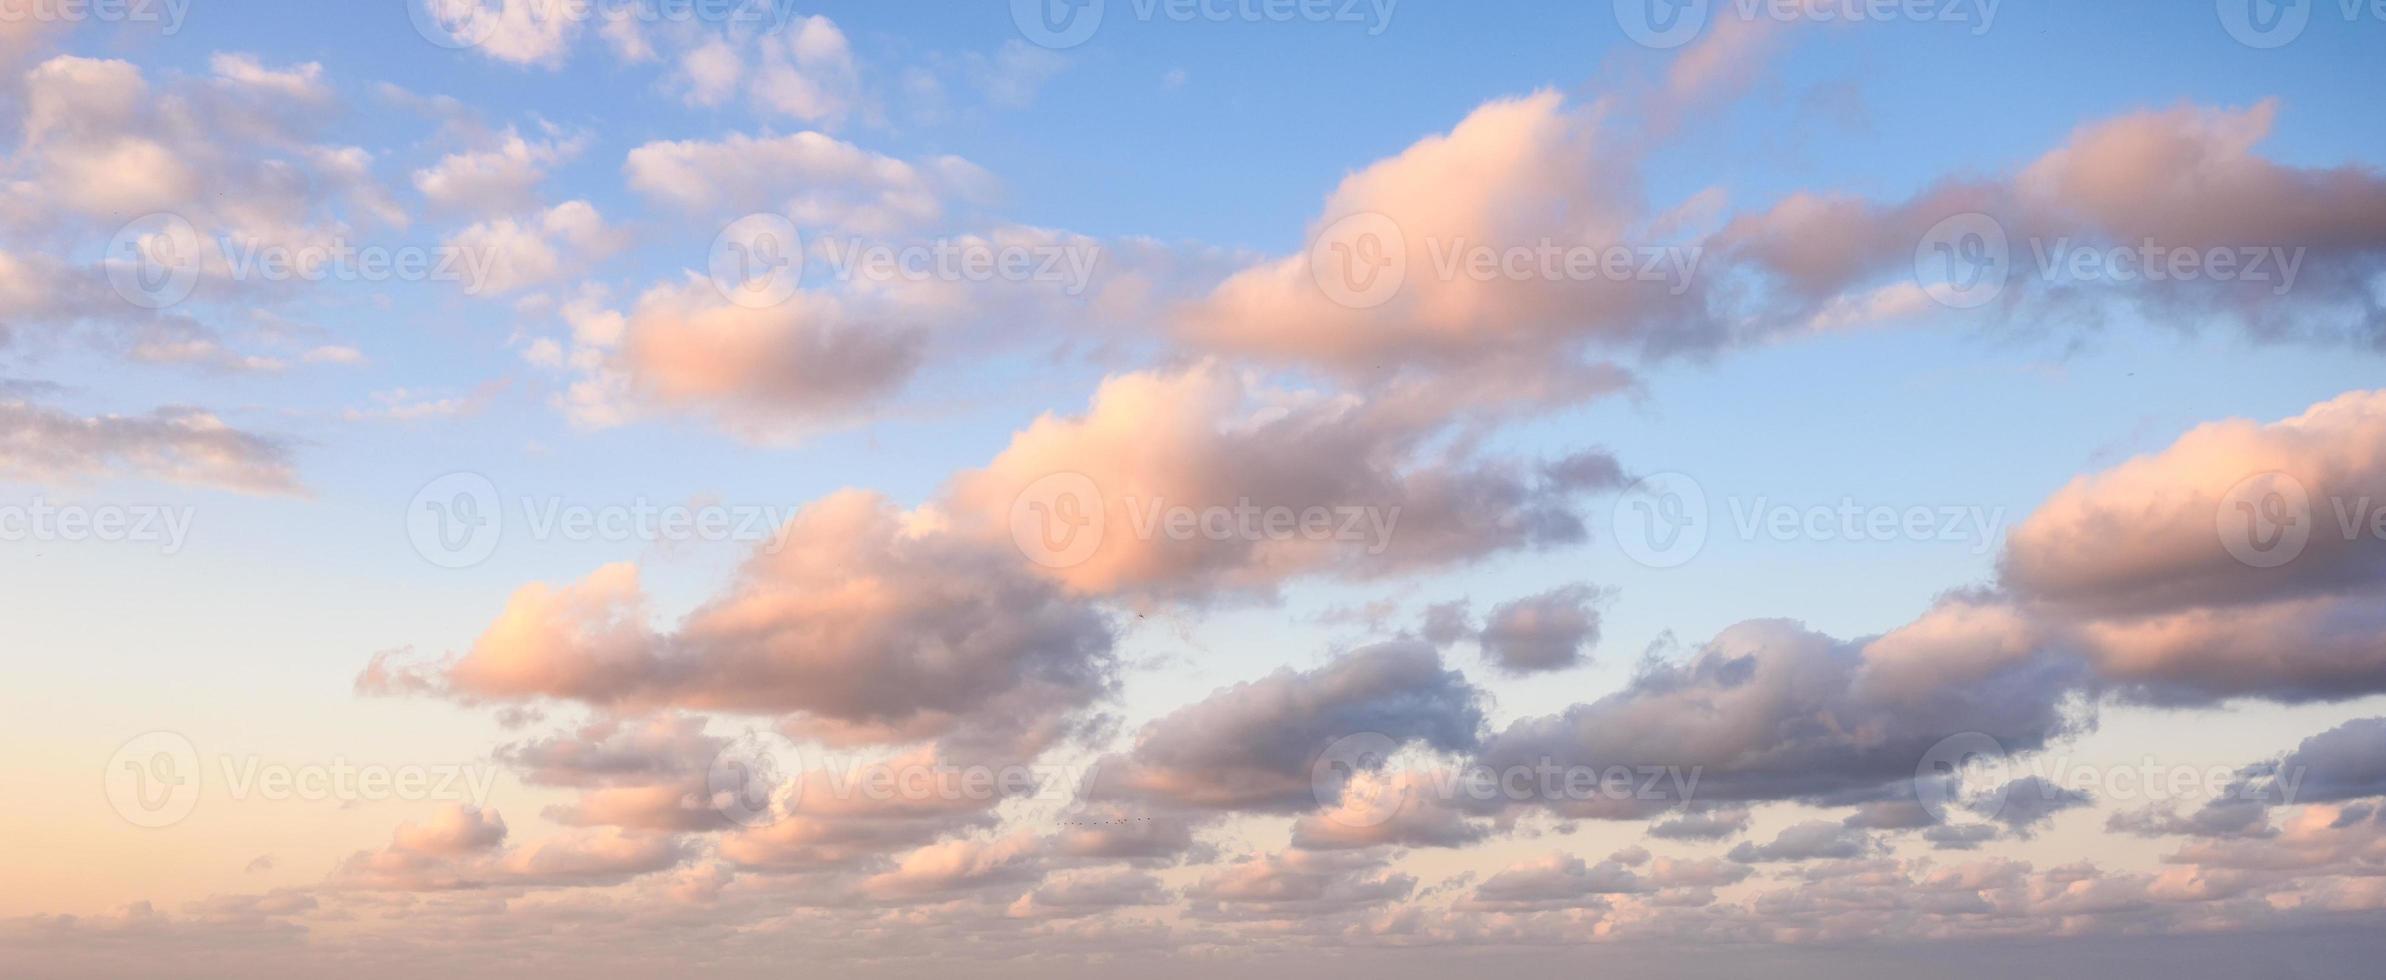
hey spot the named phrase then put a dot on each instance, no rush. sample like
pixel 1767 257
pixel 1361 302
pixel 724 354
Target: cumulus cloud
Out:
pixel 1769 710
pixel 1556 880
pixel 499 179
pixel 1322 483
pixel 2030 801
pixel 1257 745
pixel 769 373
pixel 1297 886
pixel 462 847
pixel 863 623
pixel 100 142
pixel 818 181
pixel 507 254
pixel 2222 566
pixel 1527 172
pixel 1551 631
pixel 2209 189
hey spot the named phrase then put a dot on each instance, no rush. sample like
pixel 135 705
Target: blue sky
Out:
pixel 1198 159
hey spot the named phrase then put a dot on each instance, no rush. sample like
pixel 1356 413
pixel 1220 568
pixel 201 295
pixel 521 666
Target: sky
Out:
pixel 1349 487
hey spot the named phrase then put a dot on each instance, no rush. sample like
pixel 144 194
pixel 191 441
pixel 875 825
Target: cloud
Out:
pixel 496 180
pixel 818 181
pixel 2347 762
pixel 1295 886
pixel 175 445
pixel 462 847
pixel 766 373
pixel 860 621
pixel 505 254
pixel 100 143
pixel 2030 801
pixel 2323 232
pixel 1529 172
pixel 1550 631
pixel 1557 880
pixel 1323 483
pixel 1073 894
pixel 1703 824
pixel 1809 841
pixel 1377 808
pixel 2169 573
pixel 1769 710
pixel 1256 745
